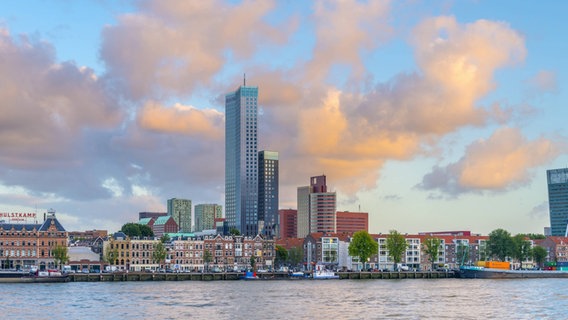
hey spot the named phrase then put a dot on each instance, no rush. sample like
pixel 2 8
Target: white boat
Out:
pixel 320 273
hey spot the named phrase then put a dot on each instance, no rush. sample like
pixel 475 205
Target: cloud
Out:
pixel 182 119
pixel 504 161
pixel 49 110
pixel 344 31
pixel 544 81
pixel 174 47
pixel 349 134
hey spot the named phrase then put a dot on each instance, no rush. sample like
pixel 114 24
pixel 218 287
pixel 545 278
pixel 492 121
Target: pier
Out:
pixel 145 276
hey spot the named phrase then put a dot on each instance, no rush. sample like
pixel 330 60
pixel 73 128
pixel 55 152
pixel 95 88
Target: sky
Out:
pixel 428 115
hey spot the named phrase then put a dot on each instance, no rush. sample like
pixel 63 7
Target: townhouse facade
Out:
pixel 192 254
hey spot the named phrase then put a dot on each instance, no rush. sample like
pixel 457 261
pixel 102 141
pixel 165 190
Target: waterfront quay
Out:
pixel 216 276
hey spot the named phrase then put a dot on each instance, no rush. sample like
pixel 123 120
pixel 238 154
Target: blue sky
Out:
pixel 429 115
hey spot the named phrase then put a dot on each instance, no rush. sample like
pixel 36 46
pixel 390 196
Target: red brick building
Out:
pixel 23 245
pixel 351 222
pixel 288 223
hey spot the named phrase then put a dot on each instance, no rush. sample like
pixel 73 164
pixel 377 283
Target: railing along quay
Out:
pixel 145 276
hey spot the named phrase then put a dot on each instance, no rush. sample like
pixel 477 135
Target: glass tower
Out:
pixel 268 193
pixel 241 160
pixel 558 201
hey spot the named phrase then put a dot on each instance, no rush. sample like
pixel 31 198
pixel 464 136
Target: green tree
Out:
pixel 362 245
pixel 534 236
pixel 160 253
pixel 110 255
pixel 431 248
pixel 500 244
pixel 146 231
pixel 281 255
pixel 253 262
pixel 521 248
pixel 295 256
pixel 164 238
pixel 60 255
pixel 539 255
pixel 133 229
pixel 396 245
pixel 207 258
pixel 234 232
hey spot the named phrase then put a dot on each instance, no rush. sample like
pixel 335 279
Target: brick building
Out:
pixel 23 245
pixel 351 222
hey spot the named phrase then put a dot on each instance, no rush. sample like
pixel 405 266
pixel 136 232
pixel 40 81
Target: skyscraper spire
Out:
pixel 244 79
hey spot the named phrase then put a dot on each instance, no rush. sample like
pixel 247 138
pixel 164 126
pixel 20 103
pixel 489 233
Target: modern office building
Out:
pixel 316 208
pixel 288 223
pixel 241 160
pixel 268 193
pixel 180 210
pixel 205 215
pixel 558 201
pixel 351 222
pixel 303 214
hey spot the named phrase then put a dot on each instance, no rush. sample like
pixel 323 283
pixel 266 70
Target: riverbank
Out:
pixel 144 276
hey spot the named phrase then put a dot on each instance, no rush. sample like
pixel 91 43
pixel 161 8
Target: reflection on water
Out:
pixel 301 299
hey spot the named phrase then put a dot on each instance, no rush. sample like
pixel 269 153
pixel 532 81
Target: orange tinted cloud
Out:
pixel 181 119
pixel 503 161
pixel 171 47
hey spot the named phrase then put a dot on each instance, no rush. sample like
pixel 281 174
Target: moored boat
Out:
pixel 33 276
pixel 250 276
pixel 473 272
pixel 321 273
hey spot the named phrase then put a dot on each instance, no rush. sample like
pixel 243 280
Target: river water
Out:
pixel 290 299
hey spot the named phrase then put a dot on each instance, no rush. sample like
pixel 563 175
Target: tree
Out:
pixel 539 255
pixel 534 236
pixel 432 247
pixel 521 248
pixel 396 245
pixel 146 231
pixel 281 255
pixel 500 244
pixel 111 255
pixel 60 255
pixel 164 238
pixel 295 256
pixel 132 229
pixel 234 232
pixel 363 246
pixel 159 253
pixel 207 258
pixel 253 262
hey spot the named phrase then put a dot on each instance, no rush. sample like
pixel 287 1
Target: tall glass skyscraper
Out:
pixel 268 193
pixel 558 201
pixel 241 160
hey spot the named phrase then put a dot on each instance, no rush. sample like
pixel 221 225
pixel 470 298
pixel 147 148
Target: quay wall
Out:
pixel 144 276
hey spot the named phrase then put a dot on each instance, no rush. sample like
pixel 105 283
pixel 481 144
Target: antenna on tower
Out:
pixel 244 79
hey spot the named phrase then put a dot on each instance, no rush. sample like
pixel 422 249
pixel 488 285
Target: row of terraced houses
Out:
pixel 22 245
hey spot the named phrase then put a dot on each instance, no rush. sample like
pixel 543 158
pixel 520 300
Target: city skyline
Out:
pixel 428 115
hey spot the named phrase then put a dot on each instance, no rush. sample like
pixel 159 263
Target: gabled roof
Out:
pixel 162 220
pixel 51 220
pixel 144 221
